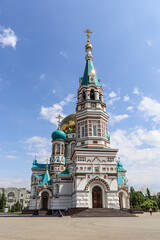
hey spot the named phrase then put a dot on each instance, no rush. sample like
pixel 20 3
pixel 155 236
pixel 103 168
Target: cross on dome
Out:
pixel 59 120
pixel 88 32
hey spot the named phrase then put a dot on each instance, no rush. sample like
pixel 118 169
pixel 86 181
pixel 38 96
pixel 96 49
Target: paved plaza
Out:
pixel 49 228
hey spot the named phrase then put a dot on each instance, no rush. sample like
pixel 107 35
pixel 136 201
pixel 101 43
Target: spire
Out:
pixel 89 76
pixel 47 177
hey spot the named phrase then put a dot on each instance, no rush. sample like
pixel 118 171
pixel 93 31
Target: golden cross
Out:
pixel 59 120
pixel 88 32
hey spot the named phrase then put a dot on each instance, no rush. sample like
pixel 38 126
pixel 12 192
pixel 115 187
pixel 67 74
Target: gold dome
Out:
pixel 68 124
pixel 88 46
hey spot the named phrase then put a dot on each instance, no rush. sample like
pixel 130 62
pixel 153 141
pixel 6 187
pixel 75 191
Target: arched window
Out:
pixel 84 95
pixel 92 94
pixel 72 147
pixel 100 97
pixel 11 194
pixel 66 151
pixel 57 189
pixel 58 148
pixel 62 149
pixel 53 149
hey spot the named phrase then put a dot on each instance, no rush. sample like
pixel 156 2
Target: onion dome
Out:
pixel 68 124
pixel 58 135
pixel 120 167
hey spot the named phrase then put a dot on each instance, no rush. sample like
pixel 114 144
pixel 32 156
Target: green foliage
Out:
pixel 136 199
pixel 149 204
pixel 157 200
pixel 16 207
pixel 2 201
pixel 148 193
pixel 132 190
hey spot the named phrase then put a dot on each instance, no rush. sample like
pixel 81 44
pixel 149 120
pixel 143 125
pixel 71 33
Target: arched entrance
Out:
pixel 123 199
pixel 45 197
pixel 97 197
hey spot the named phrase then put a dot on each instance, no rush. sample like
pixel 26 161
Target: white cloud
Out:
pixel 149 43
pixel 63 54
pixel 112 101
pixel 136 91
pixel 150 108
pixel 139 151
pixel 126 98
pixel 130 108
pixel 15 182
pixel 117 118
pixel 11 157
pixel 39 146
pixel 53 91
pixel 104 85
pixel 112 94
pixel 7 37
pixel 42 76
pixel 50 113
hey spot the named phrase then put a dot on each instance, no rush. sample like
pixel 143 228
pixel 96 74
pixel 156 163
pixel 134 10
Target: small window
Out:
pixel 82 131
pixel 84 95
pixel 92 94
pixel 94 130
pixel 58 148
pixel 96 169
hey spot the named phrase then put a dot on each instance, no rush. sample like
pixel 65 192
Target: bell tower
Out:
pixel 91 117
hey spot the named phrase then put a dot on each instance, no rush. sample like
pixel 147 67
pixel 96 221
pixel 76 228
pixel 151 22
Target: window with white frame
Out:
pixel 82 133
pixel 94 130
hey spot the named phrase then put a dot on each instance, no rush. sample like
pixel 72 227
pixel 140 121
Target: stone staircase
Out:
pixel 42 212
pixel 102 212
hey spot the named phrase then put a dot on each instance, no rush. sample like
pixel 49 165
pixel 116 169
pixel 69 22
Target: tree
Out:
pixel 149 204
pixel 157 200
pixel 132 190
pixel 136 199
pixel 2 201
pixel 148 193
pixel 16 207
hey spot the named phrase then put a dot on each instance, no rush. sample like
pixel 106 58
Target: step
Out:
pixel 103 212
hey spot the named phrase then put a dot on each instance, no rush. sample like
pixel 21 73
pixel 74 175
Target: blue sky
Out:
pixel 41 59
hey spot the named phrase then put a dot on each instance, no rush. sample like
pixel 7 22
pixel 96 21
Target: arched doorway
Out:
pixel 123 199
pixel 45 197
pixel 97 197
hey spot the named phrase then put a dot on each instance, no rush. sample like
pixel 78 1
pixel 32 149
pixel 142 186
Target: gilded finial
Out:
pixel 88 36
pixel 59 120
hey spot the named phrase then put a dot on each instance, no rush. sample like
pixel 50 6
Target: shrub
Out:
pixel 149 204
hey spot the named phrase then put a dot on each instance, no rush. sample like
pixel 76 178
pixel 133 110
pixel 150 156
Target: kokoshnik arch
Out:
pixel 82 171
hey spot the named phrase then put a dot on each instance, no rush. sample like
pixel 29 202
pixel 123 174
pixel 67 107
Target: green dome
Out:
pixel 58 135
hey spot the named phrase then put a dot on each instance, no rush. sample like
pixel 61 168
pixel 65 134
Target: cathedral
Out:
pixel 83 171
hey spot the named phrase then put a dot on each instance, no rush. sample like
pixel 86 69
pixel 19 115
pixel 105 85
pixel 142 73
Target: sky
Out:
pixel 42 56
